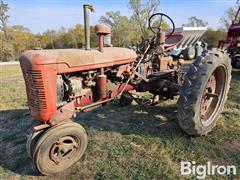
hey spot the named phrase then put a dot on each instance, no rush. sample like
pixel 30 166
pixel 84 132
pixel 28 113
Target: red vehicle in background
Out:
pixel 233 40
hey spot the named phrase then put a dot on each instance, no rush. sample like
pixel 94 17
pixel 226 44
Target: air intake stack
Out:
pixel 86 9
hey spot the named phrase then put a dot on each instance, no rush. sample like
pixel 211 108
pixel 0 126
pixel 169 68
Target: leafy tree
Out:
pixel 22 39
pixel 142 13
pixel 7 53
pixel 228 17
pixel 128 31
pixel 124 30
pixel 20 28
pixel 111 18
pixel 47 39
pixel 212 37
pixel 94 38
pixel 195 22
pixel 4 19
pixel 5 49
pixel 64 38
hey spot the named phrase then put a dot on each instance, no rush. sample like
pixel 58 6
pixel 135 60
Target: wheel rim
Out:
pixel 64 150
pixel 213 95
pixel 191 52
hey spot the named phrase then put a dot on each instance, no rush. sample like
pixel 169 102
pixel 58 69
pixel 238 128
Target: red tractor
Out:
pixel 232 44
pixel 61 82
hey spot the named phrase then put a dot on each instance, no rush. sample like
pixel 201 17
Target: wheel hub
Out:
pixel 208 96
pixel 192 52
pixel 212 95
pixel 63 149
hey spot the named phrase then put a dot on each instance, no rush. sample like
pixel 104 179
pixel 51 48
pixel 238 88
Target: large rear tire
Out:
pixel 59 147
pixel 204 93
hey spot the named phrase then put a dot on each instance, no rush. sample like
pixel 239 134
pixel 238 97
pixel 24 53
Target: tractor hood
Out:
pixel 87 59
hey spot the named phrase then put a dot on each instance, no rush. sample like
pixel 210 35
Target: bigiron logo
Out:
pixel 201 171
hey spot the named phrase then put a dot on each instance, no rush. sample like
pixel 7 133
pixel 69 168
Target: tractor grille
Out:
pixel 35 89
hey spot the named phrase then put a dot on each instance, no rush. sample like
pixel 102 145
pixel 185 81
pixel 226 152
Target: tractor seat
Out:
pixel 173 41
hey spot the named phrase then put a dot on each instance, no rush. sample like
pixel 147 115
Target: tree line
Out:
pixel 126 31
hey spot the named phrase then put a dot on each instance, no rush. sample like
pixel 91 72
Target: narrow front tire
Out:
pixel 59 148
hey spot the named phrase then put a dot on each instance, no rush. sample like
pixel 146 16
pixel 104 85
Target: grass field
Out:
pixel 124 143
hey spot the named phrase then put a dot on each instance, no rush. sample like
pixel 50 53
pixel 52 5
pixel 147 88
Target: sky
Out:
pixel 41 15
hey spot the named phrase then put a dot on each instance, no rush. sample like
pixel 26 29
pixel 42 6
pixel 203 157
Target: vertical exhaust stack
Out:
pixel 86 9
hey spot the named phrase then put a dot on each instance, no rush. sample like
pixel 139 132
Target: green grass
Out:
pixel 131 142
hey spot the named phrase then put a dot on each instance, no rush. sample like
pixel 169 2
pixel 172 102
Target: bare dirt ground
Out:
pixel 131 142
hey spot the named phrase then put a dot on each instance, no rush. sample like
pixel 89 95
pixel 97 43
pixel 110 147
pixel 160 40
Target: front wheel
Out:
pixel 59 147
pixel 204 93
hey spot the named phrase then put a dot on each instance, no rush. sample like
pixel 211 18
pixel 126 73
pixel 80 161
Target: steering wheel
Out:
pixel 156 29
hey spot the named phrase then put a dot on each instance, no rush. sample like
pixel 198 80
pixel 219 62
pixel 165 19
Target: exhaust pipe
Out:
pixel 86 8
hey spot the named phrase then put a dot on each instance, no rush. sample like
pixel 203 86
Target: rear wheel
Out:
pixel 189 53
pixel 60 147
pixel 204 93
